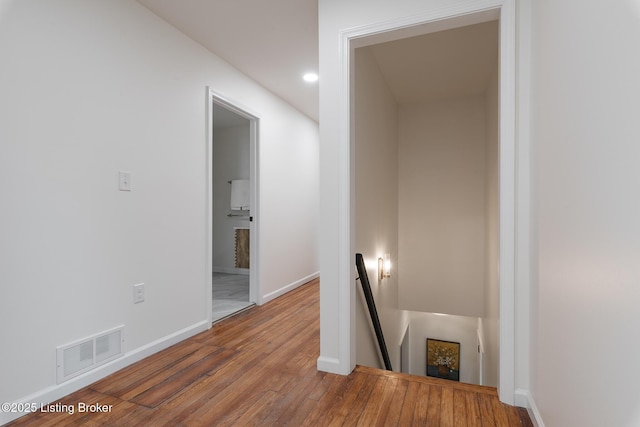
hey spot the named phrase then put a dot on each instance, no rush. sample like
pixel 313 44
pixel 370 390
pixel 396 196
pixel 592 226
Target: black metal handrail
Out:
pixel 373 313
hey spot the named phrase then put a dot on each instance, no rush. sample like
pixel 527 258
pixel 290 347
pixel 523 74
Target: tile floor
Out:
pixel 230 294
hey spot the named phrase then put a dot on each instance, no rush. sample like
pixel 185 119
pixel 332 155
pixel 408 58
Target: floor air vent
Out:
pixel 88 353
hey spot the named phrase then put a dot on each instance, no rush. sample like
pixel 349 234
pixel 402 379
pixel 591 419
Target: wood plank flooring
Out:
pixel 259 369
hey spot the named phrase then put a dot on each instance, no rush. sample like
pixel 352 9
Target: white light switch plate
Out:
pixel 125 181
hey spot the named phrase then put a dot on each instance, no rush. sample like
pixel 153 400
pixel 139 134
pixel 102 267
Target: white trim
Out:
pixel 445 18
pixel 291 286
pixel 255 290
pixel 347 223
pixel 53 393
pixel 255 294
pixel 208 249
pixel 328 364
pixel 405 335
pixel 523 200
pixel 346 252
pixel 434 20
pixel 524 399
pixel 507 192
pixel 480 352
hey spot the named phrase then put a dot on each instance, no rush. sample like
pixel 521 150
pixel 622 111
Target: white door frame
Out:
pixel 254 225
pixel 460 14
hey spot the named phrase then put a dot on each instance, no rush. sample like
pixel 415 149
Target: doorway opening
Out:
pixel 232 204
pixel 426 138
pixel 512 232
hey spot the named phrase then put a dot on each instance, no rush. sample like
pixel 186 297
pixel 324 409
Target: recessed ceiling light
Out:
pixel 310 77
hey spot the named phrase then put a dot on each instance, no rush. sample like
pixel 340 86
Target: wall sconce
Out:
pixel 384 266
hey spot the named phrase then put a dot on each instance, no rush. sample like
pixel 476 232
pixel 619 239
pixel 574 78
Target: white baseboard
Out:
pixel 291 286
pixel 521 398
pixel 328 364
pixel 524 399
pixel 53 393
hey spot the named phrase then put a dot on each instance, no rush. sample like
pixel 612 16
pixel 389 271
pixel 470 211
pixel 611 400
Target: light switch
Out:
pixel 125 181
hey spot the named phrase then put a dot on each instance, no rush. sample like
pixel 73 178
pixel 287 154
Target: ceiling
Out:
pixel 275 42
pixel 445 64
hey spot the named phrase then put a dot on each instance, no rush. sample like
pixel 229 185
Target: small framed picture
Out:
pixel 443 359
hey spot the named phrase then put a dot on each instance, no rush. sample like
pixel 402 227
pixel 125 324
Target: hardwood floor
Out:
pixel 259 368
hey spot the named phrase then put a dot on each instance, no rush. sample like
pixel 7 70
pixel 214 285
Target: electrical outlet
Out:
pixel 138 293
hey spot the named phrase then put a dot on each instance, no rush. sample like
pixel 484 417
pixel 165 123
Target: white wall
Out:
pixel 376 205
pixel 442 206
pixel 489 322
pixel 230 161
pixel 448 328
pixel 90 88
pixel 289 186
pixel 585 134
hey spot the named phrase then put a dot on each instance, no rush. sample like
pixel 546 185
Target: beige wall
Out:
pixel 489 324
pixel 442 206
pixel 376 201
pixel 448 328
pixel 425 168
